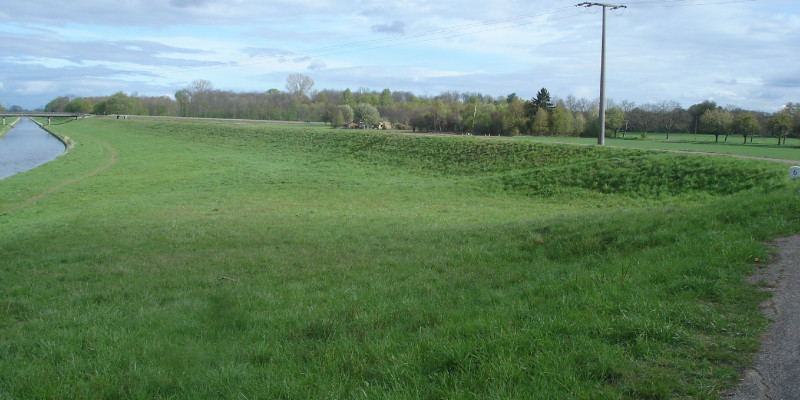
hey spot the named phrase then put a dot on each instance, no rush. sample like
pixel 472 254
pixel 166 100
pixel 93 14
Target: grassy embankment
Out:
pixel 9 124
pixel 190 260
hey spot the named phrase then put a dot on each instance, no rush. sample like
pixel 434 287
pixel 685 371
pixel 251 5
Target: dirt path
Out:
pixel 61 185
pixel 778 160
pixel 776 373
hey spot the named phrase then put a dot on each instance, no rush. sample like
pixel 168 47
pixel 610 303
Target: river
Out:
pixel 25 147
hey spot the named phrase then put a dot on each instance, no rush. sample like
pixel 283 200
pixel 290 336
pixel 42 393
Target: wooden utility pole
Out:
pixel 601 136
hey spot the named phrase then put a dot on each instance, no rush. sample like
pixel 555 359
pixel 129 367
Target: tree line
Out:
pixel 473 113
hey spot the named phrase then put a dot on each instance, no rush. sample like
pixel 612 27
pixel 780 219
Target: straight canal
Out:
pixel 25 147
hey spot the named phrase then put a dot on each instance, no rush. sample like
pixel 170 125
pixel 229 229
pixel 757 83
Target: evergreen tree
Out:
pixel 543 101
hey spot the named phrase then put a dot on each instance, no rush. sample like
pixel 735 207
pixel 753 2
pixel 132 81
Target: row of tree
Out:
pixel 447 112
pixel 11 109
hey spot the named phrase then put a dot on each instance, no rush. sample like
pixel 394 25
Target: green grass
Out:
pixel 194 260
pixel 9 124
pixel 761 146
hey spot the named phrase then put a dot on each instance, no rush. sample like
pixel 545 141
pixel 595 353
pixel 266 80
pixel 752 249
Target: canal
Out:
pixel 25 147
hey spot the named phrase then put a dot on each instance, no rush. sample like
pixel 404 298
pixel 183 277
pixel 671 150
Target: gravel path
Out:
pixel 776 373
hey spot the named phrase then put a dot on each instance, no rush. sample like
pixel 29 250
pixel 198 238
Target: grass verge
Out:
pixel 9 123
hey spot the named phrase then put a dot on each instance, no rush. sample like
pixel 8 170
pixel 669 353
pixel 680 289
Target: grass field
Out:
pixel 761 146
pixel 198 260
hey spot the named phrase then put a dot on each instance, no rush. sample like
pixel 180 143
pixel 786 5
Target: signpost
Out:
pixel 794 173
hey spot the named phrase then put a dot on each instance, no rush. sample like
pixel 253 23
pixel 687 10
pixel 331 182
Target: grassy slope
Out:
pixel 377 265
pixel 9 124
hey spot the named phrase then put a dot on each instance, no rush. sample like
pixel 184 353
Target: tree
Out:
pixel 367 114
pixel 79 105
pixel 515 115
pixel 541 101
pixel 299 85
pixel 183 98
pixel 120 103
pixel 198 93
pixel 615 119
pixel 57 104
pixel 530 109
pixel 745 124
pixel 670 115
pixel 560 121
pixel 347 98
pixel 439 112
pixel 385 99
pixel 540 124
pixel 793 109
pixel 779 125
pixel 336 118
pixel 627 107
pixel 717 121
pixel 2 108
pixel 696 112
pixel 578 124
pixel 346 111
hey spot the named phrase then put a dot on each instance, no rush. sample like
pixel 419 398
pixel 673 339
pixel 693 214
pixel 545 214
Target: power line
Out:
pixel 681 3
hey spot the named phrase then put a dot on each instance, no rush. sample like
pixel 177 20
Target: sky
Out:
pixel 744 53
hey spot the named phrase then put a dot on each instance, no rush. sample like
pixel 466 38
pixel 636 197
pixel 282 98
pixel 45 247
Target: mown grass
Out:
pixel 761 146
pixel 300 262
pixel 8 125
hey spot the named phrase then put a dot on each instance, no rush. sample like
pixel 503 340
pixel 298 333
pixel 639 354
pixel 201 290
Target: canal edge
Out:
pixel 68 142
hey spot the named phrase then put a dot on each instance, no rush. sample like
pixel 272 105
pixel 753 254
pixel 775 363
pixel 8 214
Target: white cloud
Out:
pixel 35 87
pixel 394 27
pixel 316 65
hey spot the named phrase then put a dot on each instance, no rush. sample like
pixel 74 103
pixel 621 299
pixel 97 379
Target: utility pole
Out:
pixel 601 136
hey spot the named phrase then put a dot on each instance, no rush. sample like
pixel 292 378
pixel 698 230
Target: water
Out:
pixel 25 147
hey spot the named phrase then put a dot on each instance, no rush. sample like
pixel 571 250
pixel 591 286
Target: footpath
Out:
pixel 776 372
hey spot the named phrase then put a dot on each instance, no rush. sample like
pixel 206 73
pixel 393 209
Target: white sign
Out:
pixel 794 172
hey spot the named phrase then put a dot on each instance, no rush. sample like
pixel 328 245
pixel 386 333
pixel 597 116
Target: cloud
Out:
pixel 785 80
pixel 394 27
pixel 35 87
pixel 188 3
pixel 264 51
pixel 316 65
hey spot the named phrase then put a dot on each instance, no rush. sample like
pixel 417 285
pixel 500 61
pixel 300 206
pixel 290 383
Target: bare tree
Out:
pixel 643 117
pixel 626 106
pixel 299 85
pixel 198 94
pixel 670 115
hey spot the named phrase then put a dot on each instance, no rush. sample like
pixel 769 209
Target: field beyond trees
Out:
pixel 164 259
